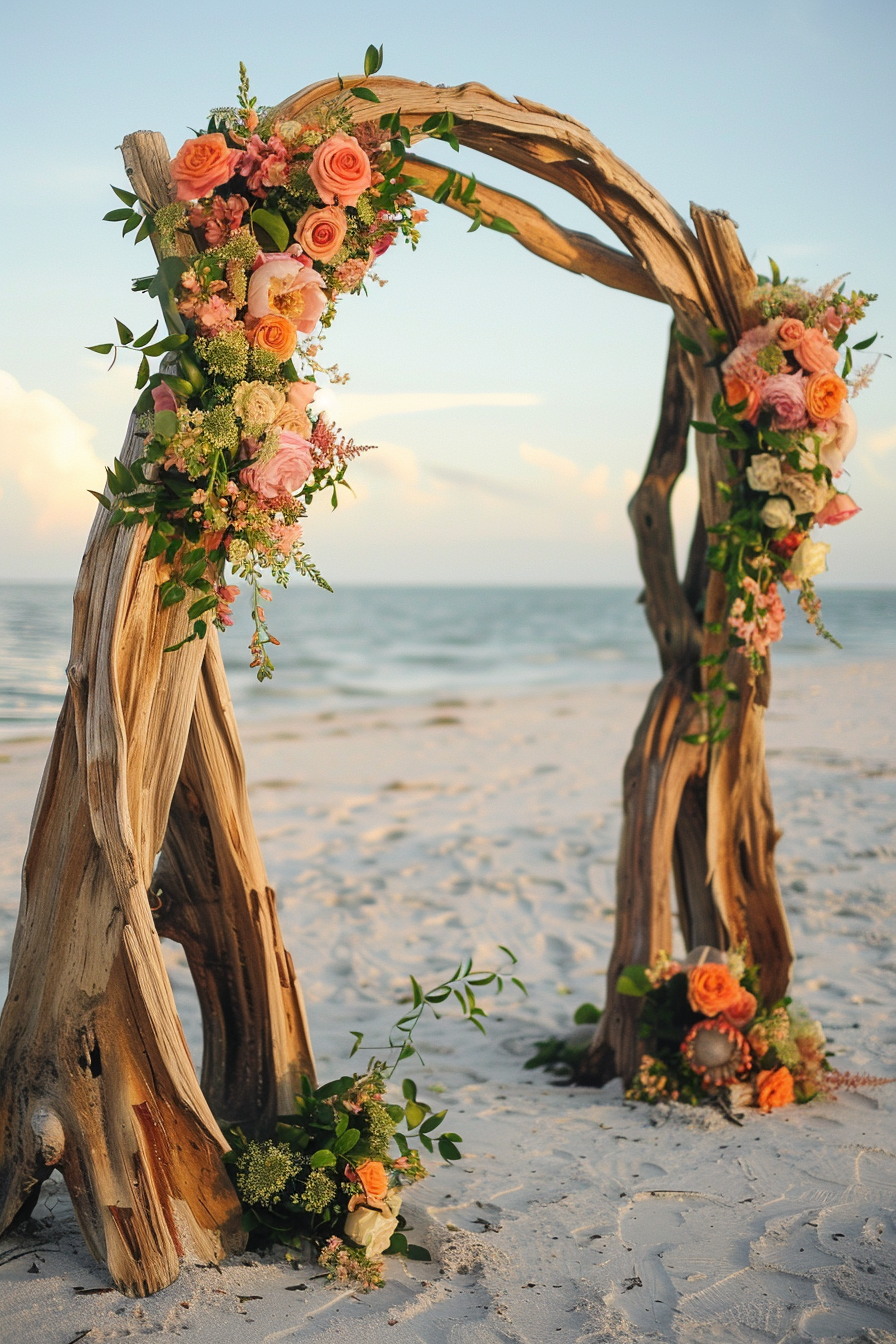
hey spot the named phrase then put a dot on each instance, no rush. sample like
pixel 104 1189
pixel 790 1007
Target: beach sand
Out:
pixel 399 841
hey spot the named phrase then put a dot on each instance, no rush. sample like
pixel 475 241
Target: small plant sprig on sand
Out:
pixel 328 1178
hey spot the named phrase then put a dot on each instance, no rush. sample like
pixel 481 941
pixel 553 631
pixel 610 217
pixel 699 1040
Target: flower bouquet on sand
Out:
pixel 710 1037
pixel 331 1178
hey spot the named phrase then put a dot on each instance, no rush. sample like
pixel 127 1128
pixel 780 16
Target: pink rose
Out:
pixel 321 233
pixel 286 472
pixel 837 510
pixel 835 452
pixel 831 321
pixel 340 170
pixel 163 399
pixel 785 395
pixel 283 285
pixel 201 164
pixel 382 245
pixel 791 332
pixel 815 351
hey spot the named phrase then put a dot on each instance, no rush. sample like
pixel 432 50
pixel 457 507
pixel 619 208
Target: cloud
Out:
pixel 560 468
pixel 47 452
pixel 884 441
pixel 352 408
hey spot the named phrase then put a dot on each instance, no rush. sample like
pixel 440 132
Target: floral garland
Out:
pixel 287 216
pixel 788 427
pixel 713 1038
pixel 329 1179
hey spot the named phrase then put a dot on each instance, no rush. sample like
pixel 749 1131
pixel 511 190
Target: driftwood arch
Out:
pixel 95 1075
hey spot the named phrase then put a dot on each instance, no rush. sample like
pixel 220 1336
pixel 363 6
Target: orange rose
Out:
pixel 825 394
pixel 340 170
pixel 736 391
pixel 320 233
pixel 201 165
pixel 742 1010
pixel 791 332
pixel 372 1176
pixel 774 1088
pixel 712 989
pixel 275 333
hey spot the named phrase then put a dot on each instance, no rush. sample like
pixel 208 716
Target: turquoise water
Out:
pixel 364 646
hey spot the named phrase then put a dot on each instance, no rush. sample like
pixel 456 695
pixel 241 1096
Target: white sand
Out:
pixel 399 841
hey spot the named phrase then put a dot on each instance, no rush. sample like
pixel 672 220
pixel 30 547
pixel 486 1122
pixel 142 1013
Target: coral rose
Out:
pixel 374 1179
pixel 791 332
pixel 712 989
pixel 281 284
pixel 837 510
pixel 736 391
pixel 201 164
pixel 340 170
pixel 774 1088
pixel 276 334
pixel 286 472
pixel 825 394
pixel 320 233
pixel 742 1010
pixel 815 351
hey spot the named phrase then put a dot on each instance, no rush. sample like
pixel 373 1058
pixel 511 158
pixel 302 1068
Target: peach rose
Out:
pixel 712 989
pixel 320 233
pixel 301 394
pixel 791 332
pixel 845 431
pixel 815 351
pixel 374 1179
pixel 774 1088
pixel 286 472
pixel 837 510
pixel 736 391
pixel 825 394
pixel 295 421
pixel 742 1010
pixel 201 164
pixel 281 284
pixel 276 334
pixel 340 170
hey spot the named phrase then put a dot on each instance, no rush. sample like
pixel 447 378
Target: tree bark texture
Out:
pixel 95 1075
pixel 702 814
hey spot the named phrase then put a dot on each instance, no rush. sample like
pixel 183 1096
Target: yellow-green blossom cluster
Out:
pixel 264 1170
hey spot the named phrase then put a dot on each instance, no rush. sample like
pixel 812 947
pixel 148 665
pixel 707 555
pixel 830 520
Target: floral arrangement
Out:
pixel 332 1176
pixel 787 423
pixel 712 1038
pixel 285 217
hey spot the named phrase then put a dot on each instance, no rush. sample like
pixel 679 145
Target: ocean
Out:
pixel 367 646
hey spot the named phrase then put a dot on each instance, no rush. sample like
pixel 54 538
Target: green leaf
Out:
pixel 127 196
pixel 847 364
pixel 274 225
pixel 155 546
pixel 863 345
pixel 367 95
pixel 143 373
pixel 178 385
pixel 101 498
pixel 477 222
pixel 503 225
pixel 398 1245
pixel 172 594
pixel 418 993
pixel 172 342
pixel 417 1252
pixel 103 349
pixel 346 1142
pixel 202 605
pixel 139 343
pixel 116 216
pixel 704 427
pixel 586 1014
pixel 133 223
pixel 146 228
pixel 396 1112
pixel 165 424
pixel 323 1158
pixel 409 1089
pixel 633 982
pixel 688 343
pixel 373 60
pixel 448 1150
pixel 776 271
pixel 507 952
pixel 125 335
pixel 432 1122
pixel 415 1114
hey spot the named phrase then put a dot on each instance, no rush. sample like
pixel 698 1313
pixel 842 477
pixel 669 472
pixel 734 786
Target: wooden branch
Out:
pixel 574 251
pixel 669 615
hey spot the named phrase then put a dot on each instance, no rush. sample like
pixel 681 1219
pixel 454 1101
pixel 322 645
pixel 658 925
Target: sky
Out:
pixel 513 404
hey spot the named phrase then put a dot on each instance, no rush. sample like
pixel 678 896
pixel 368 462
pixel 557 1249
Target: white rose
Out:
pixel 257 405
pixel 809 559
pixel 803 492
pixel 373 1230
pixel 764 472
pixel 777 513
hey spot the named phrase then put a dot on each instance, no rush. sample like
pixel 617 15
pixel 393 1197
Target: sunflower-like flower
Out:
pixel 717 1051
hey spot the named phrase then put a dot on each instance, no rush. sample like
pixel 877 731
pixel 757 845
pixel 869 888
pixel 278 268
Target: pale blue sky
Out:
pixel 782 114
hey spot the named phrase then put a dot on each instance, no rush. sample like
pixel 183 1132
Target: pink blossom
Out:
pixel 282 284
pixel 163 399
pixel 215 315
pixel 226 594
pixel 286 472
pixel 382 245
pixel 220 218
pixel 837 510
pixel 286 536
pixel 264 165
pixel 815 351
pixel 766 627
pixel 784 394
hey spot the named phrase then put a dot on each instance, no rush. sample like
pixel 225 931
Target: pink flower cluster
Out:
pixel 787 368
pixel 763 625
